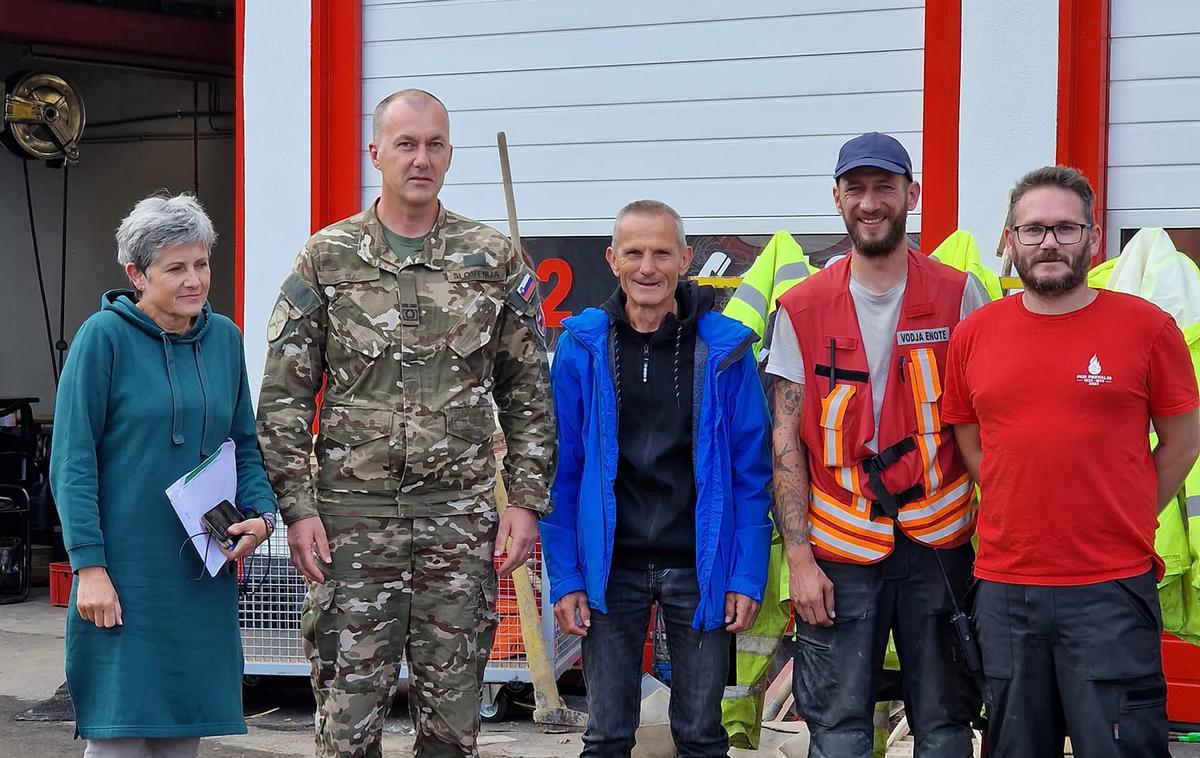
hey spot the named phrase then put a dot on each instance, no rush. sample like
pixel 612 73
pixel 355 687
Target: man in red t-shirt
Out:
pixel 1052 393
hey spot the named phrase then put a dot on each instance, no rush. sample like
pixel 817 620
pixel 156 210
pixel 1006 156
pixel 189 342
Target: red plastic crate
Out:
pixel 1181 664
pixel 60 583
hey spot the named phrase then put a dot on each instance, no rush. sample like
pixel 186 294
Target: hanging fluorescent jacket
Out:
pixel 960 251
pixel 1152 268
pixel 779 266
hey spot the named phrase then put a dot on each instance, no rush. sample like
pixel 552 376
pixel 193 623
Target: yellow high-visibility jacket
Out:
pixel 960 251
pixel 779 266
pixel 1152 268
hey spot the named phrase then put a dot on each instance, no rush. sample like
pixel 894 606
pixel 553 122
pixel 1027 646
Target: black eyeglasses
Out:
pixel 1065 234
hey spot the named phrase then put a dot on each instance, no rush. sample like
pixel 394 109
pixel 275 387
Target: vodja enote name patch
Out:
pixel 921 336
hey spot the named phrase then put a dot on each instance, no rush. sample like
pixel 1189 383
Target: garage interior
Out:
pixel 150 83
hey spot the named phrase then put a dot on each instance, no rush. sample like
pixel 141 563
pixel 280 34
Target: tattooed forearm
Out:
pixel 790 464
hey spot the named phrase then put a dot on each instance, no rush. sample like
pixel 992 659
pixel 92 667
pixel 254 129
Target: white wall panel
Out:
pixel 1154 116
pixel 278 175
pixel 1139 18
pixel 892 112
pixel 666 82
pixel 423 19
pixel 1009 107
pixel 700 159
pixel 731 112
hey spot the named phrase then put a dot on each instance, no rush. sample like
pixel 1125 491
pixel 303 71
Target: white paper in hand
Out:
pixel 196 492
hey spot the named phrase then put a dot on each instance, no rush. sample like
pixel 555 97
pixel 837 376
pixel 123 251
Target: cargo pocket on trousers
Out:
pixel 363 647
pixel 993 629
pixel 489 618
pixel 319 630
pixel 1142 721
pixel 816 679
pixel 1124 630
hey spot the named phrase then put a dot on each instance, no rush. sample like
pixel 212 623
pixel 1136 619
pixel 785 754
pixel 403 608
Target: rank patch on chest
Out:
pixel 410 309
pixel 923 336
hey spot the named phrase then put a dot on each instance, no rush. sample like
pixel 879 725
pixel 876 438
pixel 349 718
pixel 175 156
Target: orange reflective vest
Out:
pixel 917 479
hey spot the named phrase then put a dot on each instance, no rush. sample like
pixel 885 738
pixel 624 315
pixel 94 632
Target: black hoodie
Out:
pixel 656 483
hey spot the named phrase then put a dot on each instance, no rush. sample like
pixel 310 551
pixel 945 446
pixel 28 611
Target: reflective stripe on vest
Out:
pixel 916 474
pixel 926 391
pixel 940 518
pixel 735 691
pixel 777 268
pixel 756 644
pixel 833 414
pixel 848 530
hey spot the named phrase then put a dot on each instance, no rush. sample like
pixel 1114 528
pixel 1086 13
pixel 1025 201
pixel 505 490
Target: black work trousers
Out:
pixel 838 669
pixel 1083 661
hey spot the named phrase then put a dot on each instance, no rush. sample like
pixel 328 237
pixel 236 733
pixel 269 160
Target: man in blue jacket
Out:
pixel 662 489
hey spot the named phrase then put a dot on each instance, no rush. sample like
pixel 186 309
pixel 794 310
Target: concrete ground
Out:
pixel 279 710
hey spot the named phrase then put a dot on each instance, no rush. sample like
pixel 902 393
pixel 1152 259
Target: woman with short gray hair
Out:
pixel 155 382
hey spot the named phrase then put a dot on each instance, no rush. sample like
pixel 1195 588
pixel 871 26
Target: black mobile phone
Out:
pixel 217 521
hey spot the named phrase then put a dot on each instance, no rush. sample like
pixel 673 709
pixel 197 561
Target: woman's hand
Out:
pixel 248 535
pixel 96 599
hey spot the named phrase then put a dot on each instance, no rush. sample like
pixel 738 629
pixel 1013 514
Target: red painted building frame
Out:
pixel 336 110
pixel 939 133
pixel 1083 45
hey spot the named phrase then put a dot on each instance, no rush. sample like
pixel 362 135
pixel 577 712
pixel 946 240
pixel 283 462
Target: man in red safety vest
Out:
pixel 871 495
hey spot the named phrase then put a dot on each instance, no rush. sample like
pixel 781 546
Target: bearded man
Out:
pixel 1051 392
pixel 871 494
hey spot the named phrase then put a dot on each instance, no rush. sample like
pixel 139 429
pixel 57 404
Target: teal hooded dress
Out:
pixel 137 408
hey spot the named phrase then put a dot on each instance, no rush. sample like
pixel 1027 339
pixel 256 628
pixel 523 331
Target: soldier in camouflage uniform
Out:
pixel 421 323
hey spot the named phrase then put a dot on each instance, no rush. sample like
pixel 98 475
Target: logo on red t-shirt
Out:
pixel 1094 376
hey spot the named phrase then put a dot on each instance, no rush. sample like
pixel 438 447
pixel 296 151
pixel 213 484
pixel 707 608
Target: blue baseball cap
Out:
pixel 874 149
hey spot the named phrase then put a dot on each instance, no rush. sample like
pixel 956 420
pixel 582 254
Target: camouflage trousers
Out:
pixel 424 588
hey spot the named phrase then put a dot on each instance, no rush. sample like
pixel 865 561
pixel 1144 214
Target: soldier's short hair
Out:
pixel 650 208
pixel 159 222
pixel 1063 177
pixel 417 98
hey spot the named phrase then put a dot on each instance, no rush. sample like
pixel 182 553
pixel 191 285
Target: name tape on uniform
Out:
pixel 921 336
pixel 476 275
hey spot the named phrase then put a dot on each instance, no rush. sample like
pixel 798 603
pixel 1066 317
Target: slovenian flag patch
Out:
pixel 527 287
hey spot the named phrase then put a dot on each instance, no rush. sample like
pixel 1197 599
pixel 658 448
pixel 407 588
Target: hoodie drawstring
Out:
pixel 206 448
pixel 176 401
pixel 645 375
pixel 678 338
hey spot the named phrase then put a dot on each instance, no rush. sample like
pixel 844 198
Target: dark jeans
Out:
pixel 838 668
pixel 1084 661
pixel 612 665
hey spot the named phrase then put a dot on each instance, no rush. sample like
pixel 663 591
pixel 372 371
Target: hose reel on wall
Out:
pixel 43 119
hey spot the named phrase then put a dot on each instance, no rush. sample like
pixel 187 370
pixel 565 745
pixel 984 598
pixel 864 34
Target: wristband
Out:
pixel 268 517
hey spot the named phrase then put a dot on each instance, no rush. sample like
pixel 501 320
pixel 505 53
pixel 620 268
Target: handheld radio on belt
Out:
pixel 962 624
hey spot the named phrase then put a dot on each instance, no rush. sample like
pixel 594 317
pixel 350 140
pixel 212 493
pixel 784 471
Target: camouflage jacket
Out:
pixel 416 357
